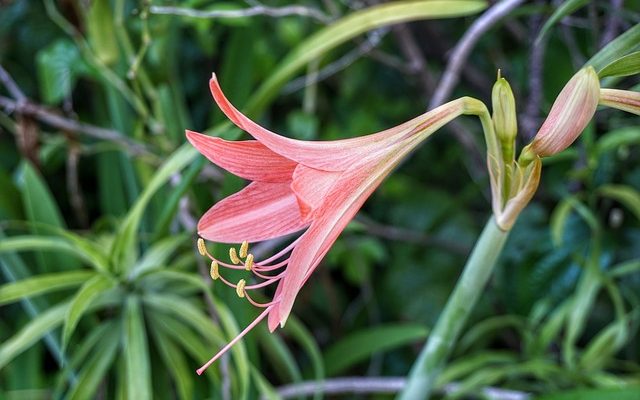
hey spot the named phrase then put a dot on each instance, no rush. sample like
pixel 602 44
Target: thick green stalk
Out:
pixel 476 273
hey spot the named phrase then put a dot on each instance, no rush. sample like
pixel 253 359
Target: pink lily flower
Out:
pixel 297 186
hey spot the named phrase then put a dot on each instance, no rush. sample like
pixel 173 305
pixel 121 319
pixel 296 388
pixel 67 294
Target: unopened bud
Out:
pixel 624 100
pixel 504 111
pixel 571 112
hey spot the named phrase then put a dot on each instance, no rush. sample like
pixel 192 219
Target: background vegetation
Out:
pixel 104 295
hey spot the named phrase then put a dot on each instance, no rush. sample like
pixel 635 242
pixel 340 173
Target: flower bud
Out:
pixel 504 111
pixel 571 112
pixel 624 100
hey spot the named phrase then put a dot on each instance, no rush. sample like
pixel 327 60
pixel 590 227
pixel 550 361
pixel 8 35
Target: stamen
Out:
pixel 257 273
pixel 244 248
pixel 248 263
pixel 202 248
pixel 262 267
pixel 200 370
pixel 281 252
pixel 261 305
pixel 234 256
pixel 240 288
pixel 259 285
pixel 215 273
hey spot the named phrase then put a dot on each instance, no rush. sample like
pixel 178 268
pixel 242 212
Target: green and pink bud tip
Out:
pixel 571 112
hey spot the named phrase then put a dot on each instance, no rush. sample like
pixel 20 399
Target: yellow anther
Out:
pixel 244 248
pixel 214 272
pixel 202 249
pixel 248 263
pixel 240 288
pixel 234 256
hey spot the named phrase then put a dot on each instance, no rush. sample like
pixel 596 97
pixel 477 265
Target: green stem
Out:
pixel 476 273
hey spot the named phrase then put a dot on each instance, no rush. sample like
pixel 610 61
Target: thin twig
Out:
pixel 246 12
pixel 406 235
pixel 373 40
pixel 381 385
pixel 530 117
pixel 417 61
pixel 613 22
pixel 11 85
pixel 57 121
pixel 465 45
pixel 73 186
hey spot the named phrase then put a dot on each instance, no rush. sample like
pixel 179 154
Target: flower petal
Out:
pixel 248 159
pixel 341 203
pixel 260 211
pixel 310 186
pixel 335 155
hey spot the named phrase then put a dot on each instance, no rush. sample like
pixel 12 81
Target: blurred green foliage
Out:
pixel 102 292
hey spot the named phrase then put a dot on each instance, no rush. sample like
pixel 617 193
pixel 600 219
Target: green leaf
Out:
pixel 136 352
pixel 562 212
pixel 197 346
pixel 481 332
pixel 267 391
pixel 626 43
pixel 125 242
pixel 100 29
pixel 629 393
pixel 42 284
pixel 351 26
pixel 279 357
pixel 566 8
pixel 175 363
pixel 604 346
pixel 34 243
pixel 157 255
pixel 361 345
pixel 32 332
pixel 57 67
pixel 306 340
pixel 617 138
pixel 466 365
pixel 82 301
pixel 41 208
pixel 171 204
pixel 624 66
pixel 187 312
pixel 96 366
pixel 625 195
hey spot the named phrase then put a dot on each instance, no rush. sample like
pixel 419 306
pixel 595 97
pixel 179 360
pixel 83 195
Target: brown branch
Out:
pixel 381 385
pixel 406 235
pixel 612 25
pixel 465 45
pixel 11 85
pixel 246 12
pixel 417 61
pixel 55 120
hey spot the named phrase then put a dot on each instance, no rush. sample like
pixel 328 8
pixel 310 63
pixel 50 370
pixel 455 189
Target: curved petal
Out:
pixel 341 204
pixel 310 186
pixel 335 155
pixel 248 159
pixel 258 212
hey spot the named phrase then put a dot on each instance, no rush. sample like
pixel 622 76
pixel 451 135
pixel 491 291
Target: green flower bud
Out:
pixel 504 111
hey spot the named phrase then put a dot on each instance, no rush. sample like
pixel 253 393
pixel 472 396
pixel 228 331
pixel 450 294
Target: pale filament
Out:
pixel 262 284
pixel 263 276
pixel 235 340
pixel 260 305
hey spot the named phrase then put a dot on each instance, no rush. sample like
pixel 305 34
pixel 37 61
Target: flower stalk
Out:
pixel 471 284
